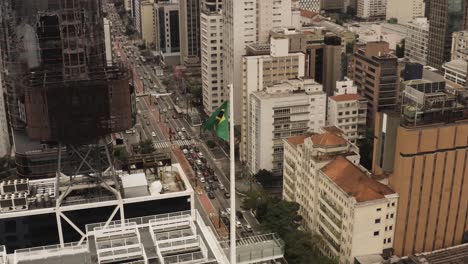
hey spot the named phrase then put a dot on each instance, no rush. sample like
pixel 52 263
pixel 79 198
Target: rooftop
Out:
pixel 354 181
pixel 346 97
pixel 452 255
pixel 298 140
pixel 25 196
pixel 156 239
pixel 458 64
pixel 328 139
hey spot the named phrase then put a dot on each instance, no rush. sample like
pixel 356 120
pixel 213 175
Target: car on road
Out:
pixel 210 180
pixel 227 195
pixel 145 116
pixel 200 155
pixel 248 228
pixel 183 129
pixel 202 180
pixel 153 134
pixel 199 174
pixel 198 162
pixel 238 224
pixel 207 188
pixel 202 159
pixel 221 186
pixel 211 195
pixel 215 178
pixel 185 151
pixel 228 210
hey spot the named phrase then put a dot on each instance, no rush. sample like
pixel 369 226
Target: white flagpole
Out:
pixel 232 176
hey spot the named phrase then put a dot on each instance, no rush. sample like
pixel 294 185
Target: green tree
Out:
pixel 211 144
pixel 350 47
pixel 264 177
pixel 146 147
pixel 392 21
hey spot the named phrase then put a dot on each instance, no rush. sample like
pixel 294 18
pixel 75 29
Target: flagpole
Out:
pixel 232 176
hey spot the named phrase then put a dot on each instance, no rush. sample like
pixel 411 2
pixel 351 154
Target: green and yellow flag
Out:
pixel 219 120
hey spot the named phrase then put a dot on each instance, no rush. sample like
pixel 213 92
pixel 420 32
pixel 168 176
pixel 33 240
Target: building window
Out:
pixel 377 221
pixel 379 209
pixel 376 233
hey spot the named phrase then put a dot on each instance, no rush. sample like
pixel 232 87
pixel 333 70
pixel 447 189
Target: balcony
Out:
pixel 327 202
pixel 332 222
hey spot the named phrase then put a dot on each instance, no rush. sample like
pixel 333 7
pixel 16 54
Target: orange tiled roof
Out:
pixel 307 13
pixel 297 140
pixel 346 97
pixel 354 181
pixel 328 139
pixel 333 129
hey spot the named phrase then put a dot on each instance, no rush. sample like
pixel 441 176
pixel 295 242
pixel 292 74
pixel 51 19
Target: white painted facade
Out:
pixel 282 110
pixel 456 71
pixel 417 40
pixel 108 41
pixel 345 86
pixel 214 93
pixel 246 22
pixel 371 9
pixel 257 74
pixel 405 10
pixel 349 226
pixel 348 112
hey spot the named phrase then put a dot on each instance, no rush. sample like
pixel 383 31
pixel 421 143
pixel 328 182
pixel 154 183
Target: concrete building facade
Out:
pixel 459 45
pixel 189 11
pixel 371 9
pixel 339 200
pixel 374 71
pixel 405 10
pixel 416 41
pixel 5 145
pixel 214 93
pixel 455 71
pixel 261 71
pixel 281 111
pixel 247 22
pixel 445 17
pixel 422 152
pixel 348 112
pixel 148 22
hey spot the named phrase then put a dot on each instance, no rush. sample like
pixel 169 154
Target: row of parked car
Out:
pixel 203 172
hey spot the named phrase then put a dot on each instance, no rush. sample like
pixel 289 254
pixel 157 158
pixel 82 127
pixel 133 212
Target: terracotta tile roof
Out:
pixel 346 97
pixel 307 13
pixel 297 140
pixel 354 181
pixel 333 129
pixel 328 139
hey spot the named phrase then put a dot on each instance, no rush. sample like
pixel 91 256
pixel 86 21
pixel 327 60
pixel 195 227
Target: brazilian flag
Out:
pixel 219 120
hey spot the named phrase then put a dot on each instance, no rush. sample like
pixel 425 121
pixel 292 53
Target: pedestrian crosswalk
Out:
pixel 163 144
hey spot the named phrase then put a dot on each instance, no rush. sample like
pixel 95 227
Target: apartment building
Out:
pixel 247 22
pixel 339 200
pixel 167 31
pixel 281 111
pixel 5 145
pixel 416 41
pixel 405 10
pixel 214 93
pixel 371 9
pixel 264 67
pixel 190 32
pixel 421 150
pixel 459 45
pixel 374 71
pixel 348 112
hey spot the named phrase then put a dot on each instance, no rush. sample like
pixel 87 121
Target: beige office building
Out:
pixel 405 10
pixel 422 150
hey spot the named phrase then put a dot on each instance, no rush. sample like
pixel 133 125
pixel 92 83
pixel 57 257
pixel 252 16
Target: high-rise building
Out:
pixel 213 89
pixel 148 22
pixel 332 68
pixel 310 5
pixel 338 199
pixel 189 14
pixel 445 17
pixel 371 9
pixel 262 68
pixel 62 94
pixel 319 5
pixel 422 151
pixel 278 112
pixel 416 41
pixel 247 22
pixel 167 31
pixel 5 145
pixel 374 71
pixel 405 10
